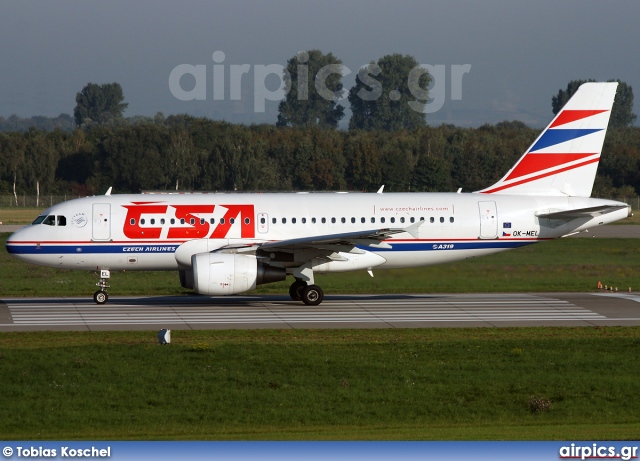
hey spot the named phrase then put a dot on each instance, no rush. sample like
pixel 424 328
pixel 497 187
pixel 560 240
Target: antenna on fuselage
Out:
pixel 109 191
pixel 380 190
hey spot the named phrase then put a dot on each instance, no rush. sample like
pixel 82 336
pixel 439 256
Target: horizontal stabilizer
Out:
pixel 582 212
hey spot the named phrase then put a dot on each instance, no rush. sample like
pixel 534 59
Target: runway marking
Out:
pixel 260 310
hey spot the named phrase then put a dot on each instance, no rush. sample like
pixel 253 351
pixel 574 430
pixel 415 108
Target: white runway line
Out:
pixel 458 308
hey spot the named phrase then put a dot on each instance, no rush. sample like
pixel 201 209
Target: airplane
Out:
pixel 228 243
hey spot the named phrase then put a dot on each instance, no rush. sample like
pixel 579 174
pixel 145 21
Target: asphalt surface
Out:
pixel 358 311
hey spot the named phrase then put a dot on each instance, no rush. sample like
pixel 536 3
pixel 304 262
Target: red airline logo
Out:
pixel 189 224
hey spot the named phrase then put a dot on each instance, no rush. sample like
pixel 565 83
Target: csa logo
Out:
pixel 79 220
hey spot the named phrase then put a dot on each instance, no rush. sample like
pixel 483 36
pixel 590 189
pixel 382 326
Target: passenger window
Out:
pixel 142 222
pixel 221 220
pixel 152 221
pixel 392 220
pixel 313 220
pixel 441 219
pixel 232 220
pixel 304 220
pixel 353 220
pixel 363 220
pixel 274 220
pixel 247 221
pixel 181 221
pixel 173 221
pixel 343 220
pixel 451 219
pixel 382 220
pixel 402 219
pixel 202 221
pixel 262 221
pixel 212 221
pixel 412 219
pixel 293 220
pixel 373 220
pixel 324 220
pixel 162 221
pixel 132 221
pixel 333 220
pixel 62 221
pixel 431 220
pixel 192 221
pixel 284 220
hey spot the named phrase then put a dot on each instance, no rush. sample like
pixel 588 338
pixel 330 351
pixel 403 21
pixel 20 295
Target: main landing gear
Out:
pixel 101 296
pixel 311 295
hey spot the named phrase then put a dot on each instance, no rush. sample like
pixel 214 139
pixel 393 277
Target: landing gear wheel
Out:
pixel 100 297
pixel 312 295
pixel 295 290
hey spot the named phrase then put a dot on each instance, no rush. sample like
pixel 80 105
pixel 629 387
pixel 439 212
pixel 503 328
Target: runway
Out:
pixel 338 311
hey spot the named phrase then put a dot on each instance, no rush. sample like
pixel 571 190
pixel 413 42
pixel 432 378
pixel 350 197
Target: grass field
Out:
pixel 428 384
pixel 442 384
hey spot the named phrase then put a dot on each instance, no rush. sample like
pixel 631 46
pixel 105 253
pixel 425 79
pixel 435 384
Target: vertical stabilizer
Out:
pixel 564 159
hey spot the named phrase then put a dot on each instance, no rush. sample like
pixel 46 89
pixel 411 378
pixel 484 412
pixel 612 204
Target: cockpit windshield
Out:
pixel 39 219
pixel 51 220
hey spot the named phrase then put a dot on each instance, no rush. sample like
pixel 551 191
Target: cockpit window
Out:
pixel 62 221
pixel 39 219
pixel 50 220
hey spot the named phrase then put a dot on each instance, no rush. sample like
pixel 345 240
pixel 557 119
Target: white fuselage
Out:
pixel 143 232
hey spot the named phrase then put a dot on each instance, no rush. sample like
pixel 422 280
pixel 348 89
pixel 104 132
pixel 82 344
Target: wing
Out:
pixel 307 248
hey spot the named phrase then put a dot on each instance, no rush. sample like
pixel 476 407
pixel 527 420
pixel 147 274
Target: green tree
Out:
pixel 390 95
pixel 99 104
pixel 313 84
pixel 622 112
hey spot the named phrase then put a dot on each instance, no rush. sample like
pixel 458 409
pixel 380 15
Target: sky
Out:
pixel 515 55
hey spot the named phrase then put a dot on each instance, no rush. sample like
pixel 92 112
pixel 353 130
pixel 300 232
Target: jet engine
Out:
pixel 229 273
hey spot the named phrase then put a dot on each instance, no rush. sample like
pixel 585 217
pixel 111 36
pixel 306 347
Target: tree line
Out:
pixel 388 142
pixel 188 153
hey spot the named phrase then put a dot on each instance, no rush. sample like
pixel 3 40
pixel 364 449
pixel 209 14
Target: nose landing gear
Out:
pixel 101 296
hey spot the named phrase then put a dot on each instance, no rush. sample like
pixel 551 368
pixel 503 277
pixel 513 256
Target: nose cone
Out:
pixel 10 244
pixel 22 244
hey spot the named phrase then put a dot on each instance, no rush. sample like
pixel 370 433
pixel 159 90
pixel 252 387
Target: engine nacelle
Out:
pixel 229 273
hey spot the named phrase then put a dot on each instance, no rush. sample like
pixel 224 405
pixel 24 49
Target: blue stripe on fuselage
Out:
pixel 443 246
pixel 155 249
pixel 90 249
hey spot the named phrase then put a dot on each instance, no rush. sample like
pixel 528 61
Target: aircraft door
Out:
pixel 101 221
pixel 488 220
pixel 263 223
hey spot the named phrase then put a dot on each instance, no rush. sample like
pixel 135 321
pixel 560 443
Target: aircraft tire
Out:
pixel 100 297
pixel 295 290
pixel 312 295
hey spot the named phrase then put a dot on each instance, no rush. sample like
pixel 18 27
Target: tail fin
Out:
pixel 564 159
